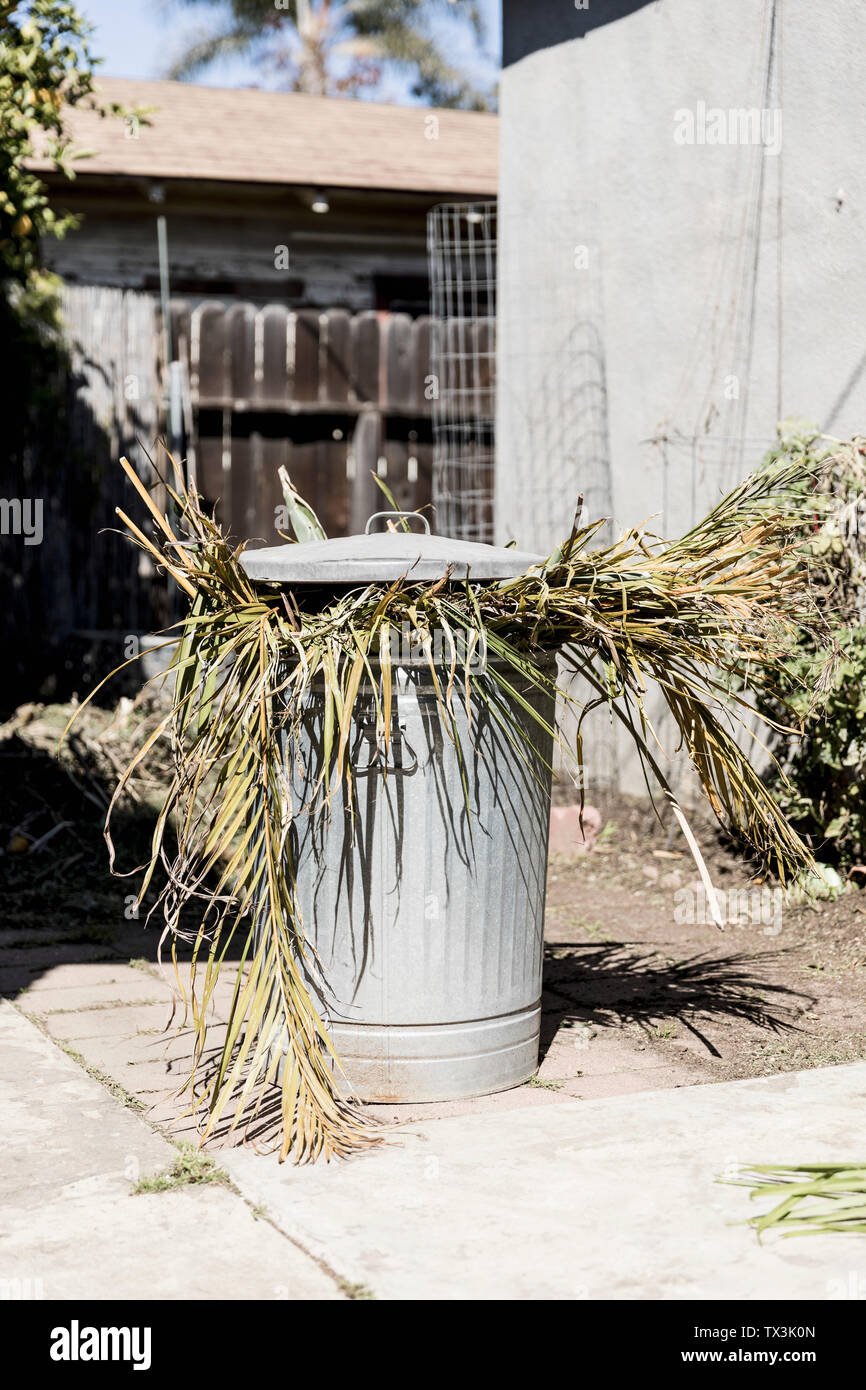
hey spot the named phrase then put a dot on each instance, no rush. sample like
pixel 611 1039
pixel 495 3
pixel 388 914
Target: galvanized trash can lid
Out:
pixel 385 555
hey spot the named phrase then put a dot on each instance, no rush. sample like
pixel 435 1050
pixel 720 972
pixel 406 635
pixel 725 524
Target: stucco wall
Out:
pixel 698 322
pixel 663 303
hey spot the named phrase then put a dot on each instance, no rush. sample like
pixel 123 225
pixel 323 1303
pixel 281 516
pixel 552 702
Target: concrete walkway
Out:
pixel 608 1199
pixel 70 1226
pixel 557 1198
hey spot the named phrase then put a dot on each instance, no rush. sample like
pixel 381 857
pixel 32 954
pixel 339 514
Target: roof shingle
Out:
pixel 249 136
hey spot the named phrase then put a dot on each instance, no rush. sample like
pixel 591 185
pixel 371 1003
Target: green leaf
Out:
pixel 303 519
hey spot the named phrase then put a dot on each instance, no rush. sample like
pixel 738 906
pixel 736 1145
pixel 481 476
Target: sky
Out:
pixel 140 40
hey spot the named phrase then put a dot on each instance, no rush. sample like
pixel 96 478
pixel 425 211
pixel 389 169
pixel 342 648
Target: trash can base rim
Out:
pixel 380 1066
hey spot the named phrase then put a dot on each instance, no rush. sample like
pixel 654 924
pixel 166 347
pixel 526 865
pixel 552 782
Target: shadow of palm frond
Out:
pixel 608 985
pixel 613 984
pixel 258 1125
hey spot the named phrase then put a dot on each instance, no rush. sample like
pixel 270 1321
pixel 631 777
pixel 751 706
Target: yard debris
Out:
pixel 699 616
pixel 811 1198
pixel 53 810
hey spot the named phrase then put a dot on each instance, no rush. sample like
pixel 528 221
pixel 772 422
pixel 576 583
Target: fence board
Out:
pixel 240 335
pixel 365 356
pixel 209 352
pixel 398 361
pixel 365 446
pixel 337 334
pixel 211 480
pixel 421 368
pixel 291 380
pixel 272 328
pixel 306 360
pixel 84 576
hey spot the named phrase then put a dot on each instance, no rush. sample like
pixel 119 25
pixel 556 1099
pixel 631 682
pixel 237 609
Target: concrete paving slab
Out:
pixel 77 975
pixel 124 1021
pixel 193 1243
pixel 60 1126
pixel 70 1225
pixel 91 997
pixel 579 1064
pixel 35 961
pixel 609 1199
pixel 118 1051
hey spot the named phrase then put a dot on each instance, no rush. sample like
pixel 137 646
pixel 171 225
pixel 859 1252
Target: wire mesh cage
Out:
pixel 461 242
pixel 552 420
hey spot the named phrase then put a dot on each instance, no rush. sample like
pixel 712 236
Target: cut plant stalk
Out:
pixel 708 619
pixel 810 1198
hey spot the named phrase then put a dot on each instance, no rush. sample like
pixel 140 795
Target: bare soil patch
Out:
pixel 632 948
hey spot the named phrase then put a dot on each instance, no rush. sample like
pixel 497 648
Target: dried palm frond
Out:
pixel 706 618
pixel 813 1198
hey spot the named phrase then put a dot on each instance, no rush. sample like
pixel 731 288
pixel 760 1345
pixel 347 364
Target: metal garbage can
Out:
pixel 426 914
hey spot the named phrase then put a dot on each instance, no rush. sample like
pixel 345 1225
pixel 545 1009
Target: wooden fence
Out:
pixel 100 397
pixel 335 397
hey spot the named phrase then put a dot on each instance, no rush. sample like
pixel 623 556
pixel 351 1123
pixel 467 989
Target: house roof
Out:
pixel 243 135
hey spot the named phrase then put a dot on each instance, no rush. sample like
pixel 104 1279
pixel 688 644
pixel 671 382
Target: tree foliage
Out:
pixel 822 789
pixel 339 47
pixel 45 67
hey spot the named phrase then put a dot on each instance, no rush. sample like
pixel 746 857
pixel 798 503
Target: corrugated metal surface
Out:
pixel 428 917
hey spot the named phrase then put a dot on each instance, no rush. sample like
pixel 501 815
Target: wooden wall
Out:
pixel 101 400
pixel 332 396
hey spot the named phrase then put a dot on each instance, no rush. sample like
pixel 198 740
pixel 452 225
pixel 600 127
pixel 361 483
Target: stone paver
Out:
pixel 123 1022
pixel 105 1011
pixel 45 998
pixel 532 1193
pixel 608 1199
pixel 69 1222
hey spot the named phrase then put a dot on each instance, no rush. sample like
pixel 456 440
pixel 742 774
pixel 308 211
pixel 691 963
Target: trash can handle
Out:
pixel 406 515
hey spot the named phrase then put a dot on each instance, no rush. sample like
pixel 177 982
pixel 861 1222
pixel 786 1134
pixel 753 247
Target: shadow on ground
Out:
pixel 615 983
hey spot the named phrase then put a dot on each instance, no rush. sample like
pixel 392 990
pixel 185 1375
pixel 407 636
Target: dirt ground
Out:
pixel 632 947
pixel 641 990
